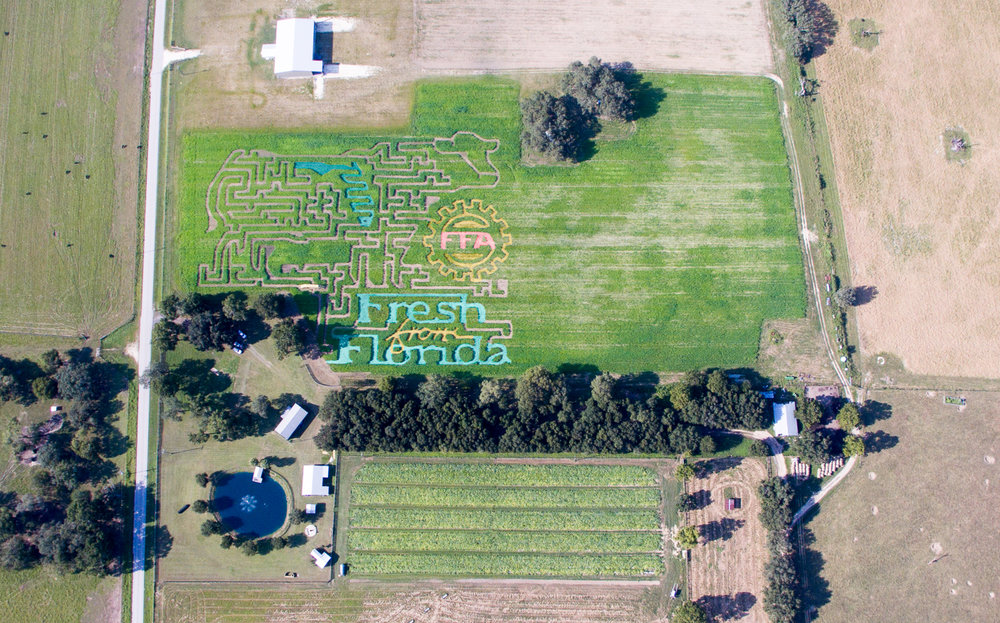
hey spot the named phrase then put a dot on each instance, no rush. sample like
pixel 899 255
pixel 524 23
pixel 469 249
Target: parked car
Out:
pixel 238 348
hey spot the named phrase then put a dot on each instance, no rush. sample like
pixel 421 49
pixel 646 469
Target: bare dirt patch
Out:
pixel 727 568
pixel 920 229
pixel 480 35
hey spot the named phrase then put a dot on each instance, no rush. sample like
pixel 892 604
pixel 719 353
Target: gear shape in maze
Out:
pixel 467 241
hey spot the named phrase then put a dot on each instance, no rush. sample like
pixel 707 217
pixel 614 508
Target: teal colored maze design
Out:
pixel 357 188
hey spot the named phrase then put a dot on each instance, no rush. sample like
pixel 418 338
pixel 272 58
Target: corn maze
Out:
pixel 396 292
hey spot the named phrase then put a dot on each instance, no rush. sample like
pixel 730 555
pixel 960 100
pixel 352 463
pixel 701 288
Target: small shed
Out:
pixel 733 504
pixel 785 424
pixel 320 557
pixel 343 570
pixel 258 474
pixel 310 509
pixel 290 421
pixel 312 479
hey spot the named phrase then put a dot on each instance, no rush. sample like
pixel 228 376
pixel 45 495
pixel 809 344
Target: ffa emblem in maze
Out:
pixel 401 279
pixel 468 241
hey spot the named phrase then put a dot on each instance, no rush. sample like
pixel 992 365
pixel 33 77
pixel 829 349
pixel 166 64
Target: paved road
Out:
pixel 146 314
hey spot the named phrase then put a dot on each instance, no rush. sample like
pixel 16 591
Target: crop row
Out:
pixel 483 519
pixel 500 542
pixel 521 565
pixel 492 497
pixel 532 475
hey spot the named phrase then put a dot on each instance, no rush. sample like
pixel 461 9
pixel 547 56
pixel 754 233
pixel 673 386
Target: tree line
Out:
pixel 542 411
pixel 70 519
pixel 782 601
pixel 555 126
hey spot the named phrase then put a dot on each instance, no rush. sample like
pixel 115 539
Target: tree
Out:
pixel 687 537
pixel 260 406
pixel 17 553
pixel 775 496
pixel 288 338
pixel 234 307
pixel 854 446
pixel 706 445
pixel 170 305
pixel 279 542
pixel 212 526
pixel 165 335
pixel 86 444
pixel 553 126
pixel 79 381
pixel 216 477
pixel 688 612
pixel 250 548
pixel 44 387
pixel 191 304
pixel 717 382
pixel 599 89
pixel 540 393
pixel 208 331
pixel 811 447
pixel 298 516
pixel 686 502
pixel 200 506
pixel 684 472
pixel 51 361
pixel 810 28
pixel 227 541
pixel 810 413
pixel 849 417
pixel 758 448
pixel 201 479
pixel 268 305
pixel 845 296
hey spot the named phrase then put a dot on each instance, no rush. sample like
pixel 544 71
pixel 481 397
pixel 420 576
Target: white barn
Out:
pixel 320 557
pixel 785 424
pixel 290 421
pixel 312 479
pixel 294 48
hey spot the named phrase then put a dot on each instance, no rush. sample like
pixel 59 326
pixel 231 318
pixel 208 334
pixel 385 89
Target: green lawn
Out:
pixel 664 250
pixel 518 520
pixel 70 98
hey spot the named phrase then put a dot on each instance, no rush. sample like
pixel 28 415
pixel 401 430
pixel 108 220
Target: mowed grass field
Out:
pixel 70 105
pixel 915 524
pixel 664 250
pixel 517 520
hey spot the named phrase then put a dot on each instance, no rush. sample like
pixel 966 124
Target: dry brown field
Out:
pixel 727 568
pixel 481 35
pixel 231 86
pixel 920 229
pixel 913 533
pixel 465 602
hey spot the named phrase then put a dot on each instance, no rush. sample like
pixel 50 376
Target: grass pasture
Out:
pixel 69 162
pixel 915 523
pixel 663 250
pixel 505 520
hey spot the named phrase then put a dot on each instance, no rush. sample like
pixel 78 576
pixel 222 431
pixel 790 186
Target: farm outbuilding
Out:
pixel 293 50
pixel 785 424
pixel 291 419
pixel 312 479
pixel 320 557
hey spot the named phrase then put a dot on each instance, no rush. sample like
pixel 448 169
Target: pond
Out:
pixel 250 508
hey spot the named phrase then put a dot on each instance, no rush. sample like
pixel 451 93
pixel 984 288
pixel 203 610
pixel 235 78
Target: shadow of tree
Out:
pixel 704 469
pixel 824 27
pixel 727 607
pixel 720 529
pixel 879 440
pixel 864 295
pixel 815 589
pixel 873 411
pixel 702 498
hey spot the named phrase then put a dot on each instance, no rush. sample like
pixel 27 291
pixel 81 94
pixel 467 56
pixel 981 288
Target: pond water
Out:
pixel 250 508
